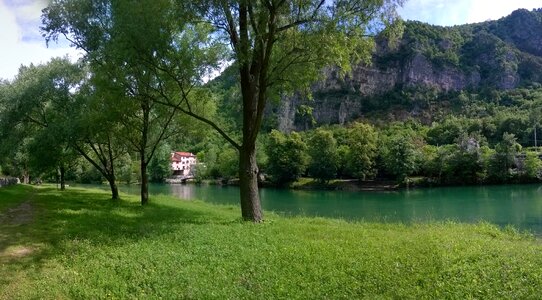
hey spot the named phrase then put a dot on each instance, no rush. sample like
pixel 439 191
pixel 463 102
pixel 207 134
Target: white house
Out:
pixel 183 163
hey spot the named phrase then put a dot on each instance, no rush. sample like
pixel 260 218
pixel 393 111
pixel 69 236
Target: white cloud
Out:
pixel 437 12
pixel 483 10
pixel 445 12
pixel 20 38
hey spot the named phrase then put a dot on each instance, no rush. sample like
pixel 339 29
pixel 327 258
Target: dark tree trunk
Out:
pixel 144 182
pixel 104 164
pixel 62 182
pixel 248 185
pixel 114 189
pixel 112 178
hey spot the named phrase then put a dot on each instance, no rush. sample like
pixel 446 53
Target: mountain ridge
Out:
pixel 494 55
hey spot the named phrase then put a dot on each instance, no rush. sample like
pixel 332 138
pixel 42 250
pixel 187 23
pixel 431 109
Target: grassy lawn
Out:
pixel 78 244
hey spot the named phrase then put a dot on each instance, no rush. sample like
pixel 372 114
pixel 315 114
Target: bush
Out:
pixel 399 157
pixel 504 160
pixel 228 163
pixel 287 158
pixel 324 158
pixel 159 167
pixel 363 150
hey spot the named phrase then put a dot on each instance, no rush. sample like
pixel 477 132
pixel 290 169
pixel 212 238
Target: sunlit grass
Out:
pixel 81 245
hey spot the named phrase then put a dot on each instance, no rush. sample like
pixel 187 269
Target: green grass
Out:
pixel 78 244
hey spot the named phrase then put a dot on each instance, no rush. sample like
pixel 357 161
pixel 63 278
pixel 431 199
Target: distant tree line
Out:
pixel 400 151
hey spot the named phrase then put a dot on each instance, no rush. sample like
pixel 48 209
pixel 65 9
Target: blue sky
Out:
pixel 22 43
pixel 455 12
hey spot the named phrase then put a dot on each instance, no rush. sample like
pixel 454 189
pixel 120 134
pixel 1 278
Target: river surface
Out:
pixel 517 205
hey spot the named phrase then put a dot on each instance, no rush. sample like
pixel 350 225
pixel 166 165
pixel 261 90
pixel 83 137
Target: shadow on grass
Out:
pixel 90 216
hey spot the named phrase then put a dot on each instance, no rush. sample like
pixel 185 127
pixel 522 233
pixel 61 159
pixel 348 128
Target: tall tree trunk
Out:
pixel 112 178
pixel 62 182
pixel 251 209
pixel 144 181
pixel 145 107
pixel 26 176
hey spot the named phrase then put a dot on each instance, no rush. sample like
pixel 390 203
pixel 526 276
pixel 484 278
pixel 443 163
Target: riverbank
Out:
pixel 352 185
pixel 305 183
pixel 80 244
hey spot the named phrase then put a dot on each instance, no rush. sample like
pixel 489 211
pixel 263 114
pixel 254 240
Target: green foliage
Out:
pixel 399 156
pixel 145 59
pixel 126 169
pixel 36 121
pixel 504 159
pixel 324 158
pixel 228 163
pixel 89 174
pixel 532 165
pixel 462 163
pixel 160 165
pixel 446 132
pixel 343 152
pixel 362 141
pixel 287 158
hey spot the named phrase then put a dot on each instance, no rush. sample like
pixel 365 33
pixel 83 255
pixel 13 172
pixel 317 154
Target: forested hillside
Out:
pixel 449 105
pixel 432 72
pixel 455 105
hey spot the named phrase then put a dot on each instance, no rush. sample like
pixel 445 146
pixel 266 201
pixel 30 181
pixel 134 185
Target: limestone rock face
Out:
pixel 503 54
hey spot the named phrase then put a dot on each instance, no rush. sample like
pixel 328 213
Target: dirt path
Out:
pixel 10 221
pixel 18 215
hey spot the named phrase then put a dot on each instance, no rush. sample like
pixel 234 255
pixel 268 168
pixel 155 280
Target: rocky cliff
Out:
pixel 502 54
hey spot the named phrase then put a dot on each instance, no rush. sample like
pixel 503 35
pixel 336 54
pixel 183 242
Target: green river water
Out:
pixel 517 205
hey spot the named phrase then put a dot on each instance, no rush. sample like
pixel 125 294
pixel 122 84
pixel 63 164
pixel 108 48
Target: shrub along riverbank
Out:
pixel 79 244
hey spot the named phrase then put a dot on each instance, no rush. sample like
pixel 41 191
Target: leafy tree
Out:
pixel 64 118
pixel 399 156
pixel 228 160
pixel 446 132
pixel 324 159
pixel 40 109
pixel 343 153
pixel 160 164
pixel 532 166
pixel 287 158
pixel 87 173
pixel 535 116
pixel 126 169
pixel 94 132
pixel 363 150
pixel 14 153
pixel 516 124
pixel 503 160
pixel 273 45
pixel 464 164
pixel 427 163
pixel 140 54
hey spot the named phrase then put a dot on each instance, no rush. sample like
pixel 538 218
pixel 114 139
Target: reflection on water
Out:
pixel 518 205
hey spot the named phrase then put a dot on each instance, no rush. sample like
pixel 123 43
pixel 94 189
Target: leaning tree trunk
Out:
pixel 114 188
pixel 112 178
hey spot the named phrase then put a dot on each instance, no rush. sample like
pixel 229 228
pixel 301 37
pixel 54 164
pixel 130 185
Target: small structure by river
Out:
pixel 5 181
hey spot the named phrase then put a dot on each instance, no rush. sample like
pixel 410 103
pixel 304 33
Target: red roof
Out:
pixel 176 156
pixel 184 154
